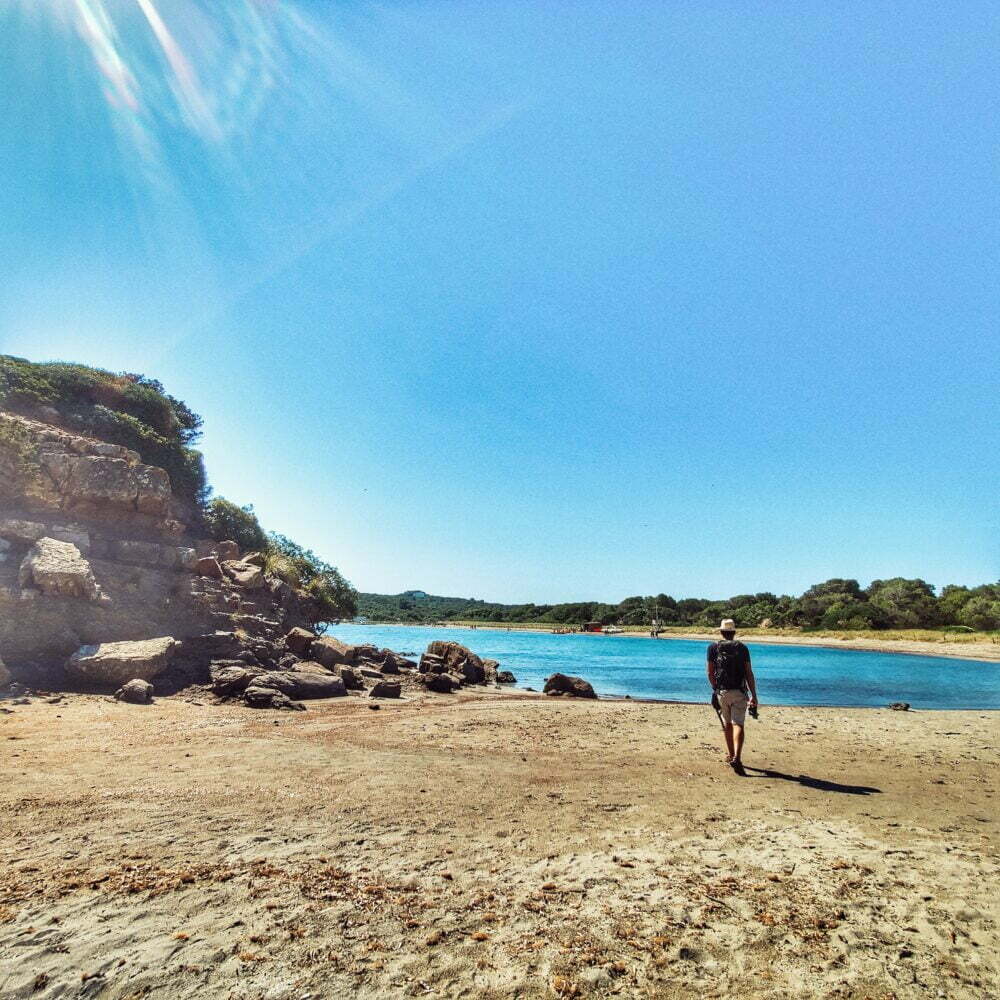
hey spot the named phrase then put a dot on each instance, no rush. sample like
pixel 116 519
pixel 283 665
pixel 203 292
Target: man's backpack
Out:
pixel 730 657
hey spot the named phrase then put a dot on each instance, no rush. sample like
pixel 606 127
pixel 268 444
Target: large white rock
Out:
pixel 58 570
pixel 111 664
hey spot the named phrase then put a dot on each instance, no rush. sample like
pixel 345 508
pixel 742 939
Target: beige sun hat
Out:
pixel 728 625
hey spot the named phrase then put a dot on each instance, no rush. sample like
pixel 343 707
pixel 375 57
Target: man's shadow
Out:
pixel 820 784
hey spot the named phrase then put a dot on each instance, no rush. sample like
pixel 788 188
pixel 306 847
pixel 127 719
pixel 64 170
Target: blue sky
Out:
pixel 535 301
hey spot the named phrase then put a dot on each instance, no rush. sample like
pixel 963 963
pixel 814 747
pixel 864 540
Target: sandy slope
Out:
pixel 494 846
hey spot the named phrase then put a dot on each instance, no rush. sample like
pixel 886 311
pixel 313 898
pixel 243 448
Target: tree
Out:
pixel 904 603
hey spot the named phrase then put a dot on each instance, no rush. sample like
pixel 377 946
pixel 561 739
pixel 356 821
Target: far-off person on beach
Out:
pixel 733 688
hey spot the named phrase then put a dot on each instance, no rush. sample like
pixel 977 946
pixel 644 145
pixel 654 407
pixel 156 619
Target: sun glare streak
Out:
pixel 99 34
pixel 185 81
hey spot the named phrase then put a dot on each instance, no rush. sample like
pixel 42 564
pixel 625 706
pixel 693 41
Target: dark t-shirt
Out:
pixel 743 651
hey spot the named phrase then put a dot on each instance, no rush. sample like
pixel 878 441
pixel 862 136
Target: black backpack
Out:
pixel 729 659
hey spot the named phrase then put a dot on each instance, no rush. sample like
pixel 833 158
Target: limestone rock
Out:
pixel 21 531
pixel 576 687
pixel 303 684
pixel 58 570
pixel 244 574
pixel 332 652
pixel 137 553
pixel 298 641
pixel 111 664
pixel 385 689
pixel 209 566
pixel 227 551
pixel 135 692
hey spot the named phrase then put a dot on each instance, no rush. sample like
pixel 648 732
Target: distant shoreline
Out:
pixel 905 647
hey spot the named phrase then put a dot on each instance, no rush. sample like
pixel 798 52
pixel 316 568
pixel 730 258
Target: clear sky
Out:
pixel 535 301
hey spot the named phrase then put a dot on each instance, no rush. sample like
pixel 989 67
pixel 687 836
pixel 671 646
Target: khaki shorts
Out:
pixel 733 706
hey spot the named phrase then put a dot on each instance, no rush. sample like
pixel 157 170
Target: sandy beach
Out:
pixel 494 845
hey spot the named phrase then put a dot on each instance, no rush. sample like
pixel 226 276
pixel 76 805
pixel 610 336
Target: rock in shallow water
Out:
pixel 575 687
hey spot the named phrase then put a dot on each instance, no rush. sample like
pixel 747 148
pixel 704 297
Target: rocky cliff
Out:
pixel 96 547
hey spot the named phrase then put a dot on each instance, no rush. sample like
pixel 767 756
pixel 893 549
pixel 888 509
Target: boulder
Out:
pixel 230 679
pixel 386 689
pixel 332 652
pixel 429 663
pixel 900 706
pixel 208 566
pixel 58 570
pixel 226 551
pixel 256 559
pixel 318 683
pixel 21 531
pixel 371 672
pixel 390 664
pixel 187 558
pixel 370 654
pixel 299 640
pixel 576 687
pixel 111 664
pixel 505 677
pixel 440 683
pixel 490 670
pixel 244 574
pixel 135 692
pixel 351 678
pixel 269 697
pixel 458 659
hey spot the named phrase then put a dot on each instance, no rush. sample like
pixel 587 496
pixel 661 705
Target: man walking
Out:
pixel 731 677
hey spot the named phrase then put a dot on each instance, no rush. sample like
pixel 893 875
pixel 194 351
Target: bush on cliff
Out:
pixel 226 520
pixel 126 409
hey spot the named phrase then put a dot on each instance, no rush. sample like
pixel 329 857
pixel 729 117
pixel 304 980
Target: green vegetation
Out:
pixel 333 596
pixel 835 605
pixel 125 409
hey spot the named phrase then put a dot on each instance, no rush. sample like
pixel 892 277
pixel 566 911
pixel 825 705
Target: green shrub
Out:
pixel 228 521
pixel 335 597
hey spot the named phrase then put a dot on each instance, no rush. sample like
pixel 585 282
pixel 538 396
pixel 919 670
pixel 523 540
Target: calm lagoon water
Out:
pixel 674 669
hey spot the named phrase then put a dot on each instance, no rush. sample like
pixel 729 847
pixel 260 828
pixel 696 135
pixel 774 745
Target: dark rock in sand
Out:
pixel 505 677
pixel 575 687
pixel 135 692
pixel 385 689
pixel 900 706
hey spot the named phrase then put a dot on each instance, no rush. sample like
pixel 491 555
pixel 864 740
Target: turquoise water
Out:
pixel 674 669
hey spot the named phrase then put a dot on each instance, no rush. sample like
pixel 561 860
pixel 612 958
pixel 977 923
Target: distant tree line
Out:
pixel 836 604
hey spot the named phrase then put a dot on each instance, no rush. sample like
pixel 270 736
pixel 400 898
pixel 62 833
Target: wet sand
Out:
pixel 494 845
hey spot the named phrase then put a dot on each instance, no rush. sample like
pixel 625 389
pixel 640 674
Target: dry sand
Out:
pixel 494 846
